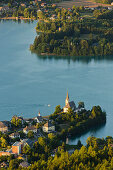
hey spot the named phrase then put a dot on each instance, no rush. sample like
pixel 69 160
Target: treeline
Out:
pixel 13 1
pixel 103 14
pixel 97 154
pixel 104 1
pixel 24 12
pixel 65 38
pixel 77 123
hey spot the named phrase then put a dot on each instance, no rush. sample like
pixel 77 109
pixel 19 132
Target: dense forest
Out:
pixel 77 123
pixel 96 155
pixel 104 1
pixel 76 36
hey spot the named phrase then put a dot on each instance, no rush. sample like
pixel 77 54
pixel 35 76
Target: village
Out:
pixel 40 9
pixel 26 10
pixel 19 135
pixel 21 132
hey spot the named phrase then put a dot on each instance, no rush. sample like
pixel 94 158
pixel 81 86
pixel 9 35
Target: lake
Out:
pixel 29 84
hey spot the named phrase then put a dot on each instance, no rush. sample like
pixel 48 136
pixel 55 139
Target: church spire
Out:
pixel 67 99
pixel 39 113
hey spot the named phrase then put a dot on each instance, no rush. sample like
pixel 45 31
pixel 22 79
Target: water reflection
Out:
pixel 28 21
pixel 92 132
pixel 83 59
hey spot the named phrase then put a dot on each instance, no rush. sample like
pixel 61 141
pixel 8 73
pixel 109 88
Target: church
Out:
pixel 68 104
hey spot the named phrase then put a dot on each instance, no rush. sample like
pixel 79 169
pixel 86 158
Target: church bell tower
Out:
pixel 67 99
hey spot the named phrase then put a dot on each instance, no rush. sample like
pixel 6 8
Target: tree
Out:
pixel 79 144
pixel 26 13
pixel 81 104
pixel 30 134
pixel 51 136
pixel 3 142
pixel 59 15
pixel 58 109
pixel 27 150
pixel 16 121
pixel 9 5
pixel 40 15
pixel 70 111
pixel 96 111
pixel 84 44
pixel 53 26
pixel 22 134
pixel 13 164
pixel 42 141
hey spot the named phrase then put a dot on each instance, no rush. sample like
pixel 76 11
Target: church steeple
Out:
pixel 39 113
pixel 67 99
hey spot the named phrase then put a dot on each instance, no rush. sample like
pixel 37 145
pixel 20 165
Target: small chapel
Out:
pixel 68 104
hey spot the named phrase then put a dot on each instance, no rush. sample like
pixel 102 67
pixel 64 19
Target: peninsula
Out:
pixel 76 32
pixel 39 139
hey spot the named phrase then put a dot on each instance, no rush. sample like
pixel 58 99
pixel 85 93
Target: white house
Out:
pixel 14 135
pixel 48 127
pixel 30 128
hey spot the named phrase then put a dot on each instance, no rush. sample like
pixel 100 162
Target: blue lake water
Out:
pixel 29 84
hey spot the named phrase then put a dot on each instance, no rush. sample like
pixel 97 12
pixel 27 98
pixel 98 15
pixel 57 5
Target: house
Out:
pixel 53 5
pixel 5 8
pixel 69 17
pixel 28 121
pixel 4 126
pixel 43 4
pixel 28 142
pixel 110 8
pixel 17 148
pixel 14 135
pixel 53 17
pixel 1 8
pixel 5 153
pixel 3 165
pixel 30 128
pixel 23 5
pixel 34 2
pixel 39 118
pixel 24 164
pixel 68 104
pixel 59 28
pixel 48 127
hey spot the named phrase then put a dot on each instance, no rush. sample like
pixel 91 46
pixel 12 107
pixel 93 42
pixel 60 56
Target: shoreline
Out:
pixel 17 18
pixel 61 56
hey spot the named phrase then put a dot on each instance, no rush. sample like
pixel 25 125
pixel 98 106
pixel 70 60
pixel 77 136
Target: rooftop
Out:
pixel 24 164
pixel 27 128
pixel 29 141
pixel 14 134
pixel 17 144
pixel 3 124
pixel 48 124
